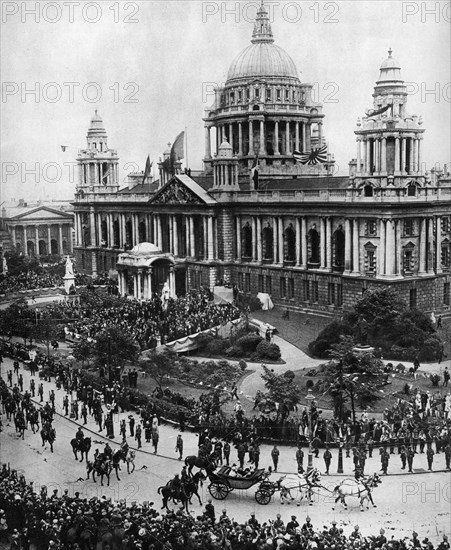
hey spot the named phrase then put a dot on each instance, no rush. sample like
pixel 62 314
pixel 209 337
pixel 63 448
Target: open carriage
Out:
pixel 224 480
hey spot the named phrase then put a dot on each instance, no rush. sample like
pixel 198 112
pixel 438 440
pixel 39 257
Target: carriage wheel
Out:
pixel 268 487
pixel 218 490
pixel 263 497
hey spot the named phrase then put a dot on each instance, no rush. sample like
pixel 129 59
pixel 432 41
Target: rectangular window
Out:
pixel 446 256
pixel 339 296
pixel 268 94
pixel 407 260
pixel 247 282
pixel 290 289
pixel 232 97
pixel 413 298
pixel 287 94
pixel 306 290
pixel 446 300
pixel 445 224
pixel 279 95
pixel 248 93
pixel 257 93
pixel 268 284
pixel 371 227
pixel 283 287
pixel 408 228
pixel 331 288
pixel 261 283
pixel 371 261
pixel 315 292
pixel 241 280
pixel 240 96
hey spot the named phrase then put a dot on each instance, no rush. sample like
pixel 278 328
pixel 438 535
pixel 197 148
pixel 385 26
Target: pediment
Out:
pixel 181 189
pixel 43 213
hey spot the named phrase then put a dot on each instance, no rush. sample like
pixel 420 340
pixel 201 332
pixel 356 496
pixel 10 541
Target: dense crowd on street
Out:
pixel 152 322
pixel 54 521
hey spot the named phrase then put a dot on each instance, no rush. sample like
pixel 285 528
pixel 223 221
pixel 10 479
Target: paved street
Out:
pixel 423 498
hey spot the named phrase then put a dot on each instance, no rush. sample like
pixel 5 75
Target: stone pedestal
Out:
pixel 69 280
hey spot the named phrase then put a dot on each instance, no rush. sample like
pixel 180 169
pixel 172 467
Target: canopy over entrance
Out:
pixel 144 270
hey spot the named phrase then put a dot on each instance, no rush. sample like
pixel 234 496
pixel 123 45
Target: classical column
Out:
pixel 60 240
pixel 240 139
pixel 76 228
pixel 430 245
pixel 320 132
pixel 207 142
pixel 298 241
pixel 149 282
pixel 365 156
pixel 359 155
pixel 251 139
pixel 210 238
pixel 382 248
pixel 281 247
pixel 322 243
pixel 13 236
pixel 422 261
pixel 172 282
pixel 171 233
pixel 438 244
pixel 92 227
pixel 304 139
pixel 25 240
pixel 398 254
pixel 123 231
pixel 109 232
pixel 205 235
pixel 259 239
pixel 49 239
pixel 420 159
pixel 308 137
pixel 276 138
pixel 192 242
pixel 254 239
pixel 262 149
pixel 411 155
pixel 304 242
pixel 275 240
pixel 369 159
pixel 135 285
pixel 175 235
pixel 347 246
pixel 296 136
pixel 384 155
pixel 99 228
pixel 415 154
pixel 238 237
pixel 329 243
pixel 355 247
pixel 160 233
pixel 390 252
pixel 287 137
pixel 397 155
pixel 231 135
pixel 404 160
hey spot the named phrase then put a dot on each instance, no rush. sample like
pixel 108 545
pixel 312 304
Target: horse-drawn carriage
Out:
pixel 224 480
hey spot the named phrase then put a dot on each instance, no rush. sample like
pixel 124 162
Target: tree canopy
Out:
pixel 159 365
pixel 114 348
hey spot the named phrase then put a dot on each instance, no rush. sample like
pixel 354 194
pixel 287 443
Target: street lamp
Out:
pixel 310 398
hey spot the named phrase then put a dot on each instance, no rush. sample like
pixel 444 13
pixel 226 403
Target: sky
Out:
pixel 149 68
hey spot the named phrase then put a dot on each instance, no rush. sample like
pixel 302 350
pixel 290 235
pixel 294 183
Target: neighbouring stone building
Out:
pixel 312 240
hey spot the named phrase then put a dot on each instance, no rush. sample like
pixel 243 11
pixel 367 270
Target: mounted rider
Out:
pixel 79 436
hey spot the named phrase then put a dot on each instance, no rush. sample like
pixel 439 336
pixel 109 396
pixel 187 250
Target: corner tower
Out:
pixel 98 165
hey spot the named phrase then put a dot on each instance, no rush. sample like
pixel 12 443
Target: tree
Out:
pixel 160 365
pixel 83 350
pixel 46 330
pixel 113 348
pixel 17 320
pixel 353 376
pixel 281 389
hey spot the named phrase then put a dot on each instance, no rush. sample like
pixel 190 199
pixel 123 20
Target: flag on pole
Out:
pixel 315 156
pixel 105 176
pixel 147 169
pixel 64 147
pixel 379 111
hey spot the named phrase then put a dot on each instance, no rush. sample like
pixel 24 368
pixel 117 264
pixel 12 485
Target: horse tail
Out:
pixel 336 488
pixel 159 490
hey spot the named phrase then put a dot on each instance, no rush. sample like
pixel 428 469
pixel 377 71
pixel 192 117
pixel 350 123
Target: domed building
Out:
pixel 265 111
pixel 266 213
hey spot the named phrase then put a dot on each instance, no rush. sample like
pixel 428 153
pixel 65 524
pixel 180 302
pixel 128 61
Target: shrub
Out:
pixel 289 374
pixel 216 346
pixel 407 388
pixel 328 336
pixel 203 341
pixel 242 364
pixel 309 384
pixel 435 379
pixel 268 351
pixel 251 302
pixel 249 342
pixel 234 351
pixel 430 351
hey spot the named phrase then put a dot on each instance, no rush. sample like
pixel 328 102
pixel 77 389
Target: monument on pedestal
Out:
pixel 69 277
pixel 362 346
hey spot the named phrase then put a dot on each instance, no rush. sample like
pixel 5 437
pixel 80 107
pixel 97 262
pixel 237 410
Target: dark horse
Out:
pixel 82 445
pixel 208 463
pixel 48 435
pixel 19 421
pixel 184 494
pixel 100 467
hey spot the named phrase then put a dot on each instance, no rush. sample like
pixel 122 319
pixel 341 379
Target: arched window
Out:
pixel 142 232
pixel 368 191
pixel 65 249
pixel 30 248
pixel 256 108
pixel 313 241
pixel 290 244
pixel 42 248
pixel 246 241
pixel 339 248
pixel 54 247
pixel 267 243
pixel 411 190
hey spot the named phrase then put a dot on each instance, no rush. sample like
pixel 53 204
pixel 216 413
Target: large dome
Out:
pixel 262 59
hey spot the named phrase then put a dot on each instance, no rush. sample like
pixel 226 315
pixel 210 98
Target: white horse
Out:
pixel 296 487
pixel 361 489
pixel 130 460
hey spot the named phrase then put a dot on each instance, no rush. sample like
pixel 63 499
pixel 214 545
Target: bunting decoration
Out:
pixel 379 111
pixel 315 156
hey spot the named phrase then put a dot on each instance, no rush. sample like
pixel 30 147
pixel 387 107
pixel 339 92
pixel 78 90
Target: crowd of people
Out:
pixel 153 322
pixel 65 521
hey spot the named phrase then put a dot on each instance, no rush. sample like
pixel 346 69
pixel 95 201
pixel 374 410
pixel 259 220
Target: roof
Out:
pixel 36 212
pixel 299 184
pixel 193 187
pixel 146 189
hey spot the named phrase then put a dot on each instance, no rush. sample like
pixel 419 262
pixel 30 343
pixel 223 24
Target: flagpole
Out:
pixel 186 146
